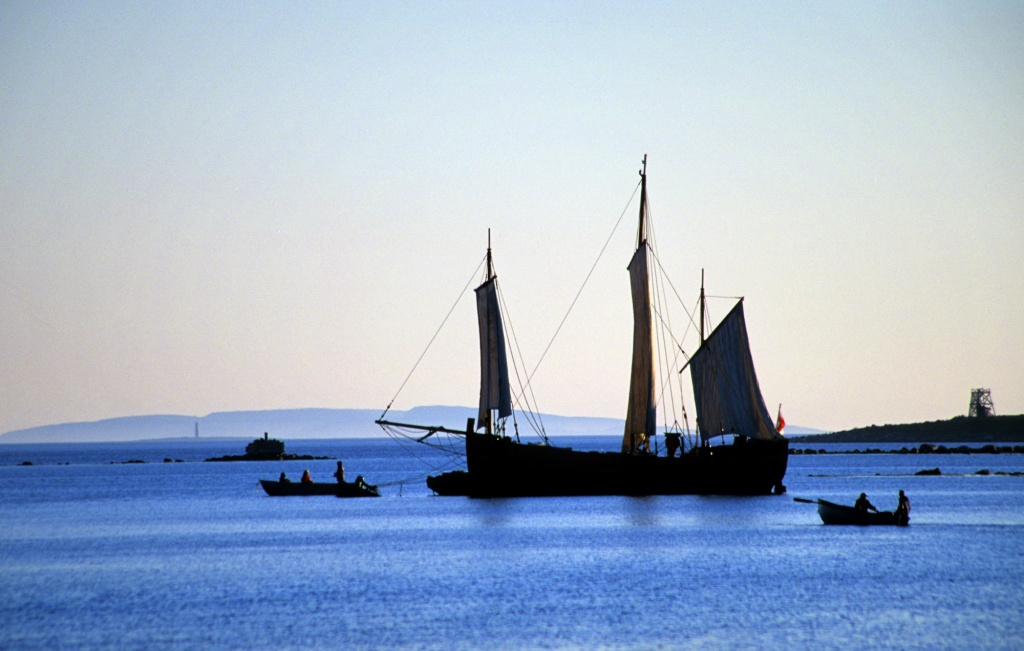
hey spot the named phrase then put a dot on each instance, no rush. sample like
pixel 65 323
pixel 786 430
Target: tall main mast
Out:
pixel 490 260
pixel 641 233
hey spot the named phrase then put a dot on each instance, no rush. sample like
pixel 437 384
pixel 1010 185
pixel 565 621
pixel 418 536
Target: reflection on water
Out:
pixel 641 511
pixel 493 512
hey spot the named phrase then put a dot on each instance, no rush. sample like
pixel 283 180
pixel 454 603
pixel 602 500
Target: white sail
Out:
pixel 725 386
pixel 641 414
pixel 495 392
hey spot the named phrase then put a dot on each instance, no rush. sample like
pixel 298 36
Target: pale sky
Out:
pixel 236 206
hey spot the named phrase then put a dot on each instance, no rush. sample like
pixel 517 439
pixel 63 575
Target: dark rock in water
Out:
pixel 983 472
pixel 933 471
pixel 282 457
pixel 27 463
pixel 266 449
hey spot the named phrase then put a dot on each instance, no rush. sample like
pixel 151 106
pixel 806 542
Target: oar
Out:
pixel 805 501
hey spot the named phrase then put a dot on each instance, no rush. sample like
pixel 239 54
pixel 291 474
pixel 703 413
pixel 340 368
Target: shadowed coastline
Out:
pixel 960 430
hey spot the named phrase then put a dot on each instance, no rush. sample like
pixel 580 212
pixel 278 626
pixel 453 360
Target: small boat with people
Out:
pixel 306 486
pixel 862 512
pixel 346 489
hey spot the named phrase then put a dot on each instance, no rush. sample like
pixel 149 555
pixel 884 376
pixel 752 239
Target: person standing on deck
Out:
pixel 671 443
pixel 340 473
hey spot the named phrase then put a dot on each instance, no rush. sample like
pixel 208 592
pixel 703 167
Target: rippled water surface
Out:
pixel 172 555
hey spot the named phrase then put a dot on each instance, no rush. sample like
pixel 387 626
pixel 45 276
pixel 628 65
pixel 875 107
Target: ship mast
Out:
pixel 702 301
pixel 489 414
pixel 641 412
pixel 490 260
pixel 641 234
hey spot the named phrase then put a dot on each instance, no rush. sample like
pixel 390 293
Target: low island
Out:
pixel 266 449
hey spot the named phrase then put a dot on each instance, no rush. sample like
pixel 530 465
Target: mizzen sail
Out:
pixel 725 386
pixel 495 392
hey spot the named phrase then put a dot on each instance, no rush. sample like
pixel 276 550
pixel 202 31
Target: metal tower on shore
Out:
pixel 981 404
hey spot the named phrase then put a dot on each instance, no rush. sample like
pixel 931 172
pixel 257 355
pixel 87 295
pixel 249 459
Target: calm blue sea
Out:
pixel 95 554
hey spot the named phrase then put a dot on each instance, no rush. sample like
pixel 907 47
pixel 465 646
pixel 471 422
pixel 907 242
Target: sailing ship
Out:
pixel 727 397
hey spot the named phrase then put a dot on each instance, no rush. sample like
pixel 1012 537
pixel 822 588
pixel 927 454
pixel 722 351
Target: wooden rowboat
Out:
pixel 839 514
pixel 342 489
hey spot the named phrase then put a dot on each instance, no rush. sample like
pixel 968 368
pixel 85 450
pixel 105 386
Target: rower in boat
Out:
pixel 862 504
pixel 903 509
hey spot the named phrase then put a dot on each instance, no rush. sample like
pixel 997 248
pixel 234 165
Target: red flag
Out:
pixel 780 423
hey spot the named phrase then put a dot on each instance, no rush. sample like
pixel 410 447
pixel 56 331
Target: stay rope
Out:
pixel 437 332
pixel 578 293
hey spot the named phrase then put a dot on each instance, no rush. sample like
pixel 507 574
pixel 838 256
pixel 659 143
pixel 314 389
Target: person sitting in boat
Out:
pixel 862 504
pixel 671 443
pixel 340 473
pixel 903 509
pixel 284 480
pixel 306 479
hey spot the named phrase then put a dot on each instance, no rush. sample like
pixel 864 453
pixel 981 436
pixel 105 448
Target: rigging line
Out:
pixel 664 333
pixel 437 332
pixel 506 319
pixel 530 410
pixel 589 273
pixel 449 451
pixel 661 269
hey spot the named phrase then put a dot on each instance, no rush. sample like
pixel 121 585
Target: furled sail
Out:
pixel 495 392
pixel 725 386
pixel 641 414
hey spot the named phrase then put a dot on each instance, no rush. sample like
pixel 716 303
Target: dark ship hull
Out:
pixel 500 467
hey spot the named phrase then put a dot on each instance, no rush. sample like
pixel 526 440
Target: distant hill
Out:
pixel 284 424
pixel 961 429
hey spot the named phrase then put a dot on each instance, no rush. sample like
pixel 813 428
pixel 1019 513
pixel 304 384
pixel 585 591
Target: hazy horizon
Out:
pixel 208 208
pixel 311 423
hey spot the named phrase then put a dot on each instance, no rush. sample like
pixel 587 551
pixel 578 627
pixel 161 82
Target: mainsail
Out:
pixel 495 392
pixel 641 412
pixel 725 386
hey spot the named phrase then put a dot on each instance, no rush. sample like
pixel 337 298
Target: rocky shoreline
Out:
pixel 960 429
pixel 924 448
pixel 267 457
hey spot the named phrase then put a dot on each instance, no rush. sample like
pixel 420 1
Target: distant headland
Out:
pixel 961 429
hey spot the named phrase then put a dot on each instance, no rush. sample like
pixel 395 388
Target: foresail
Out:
pixel 725 386
pixel 641 415
pixel 495 392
